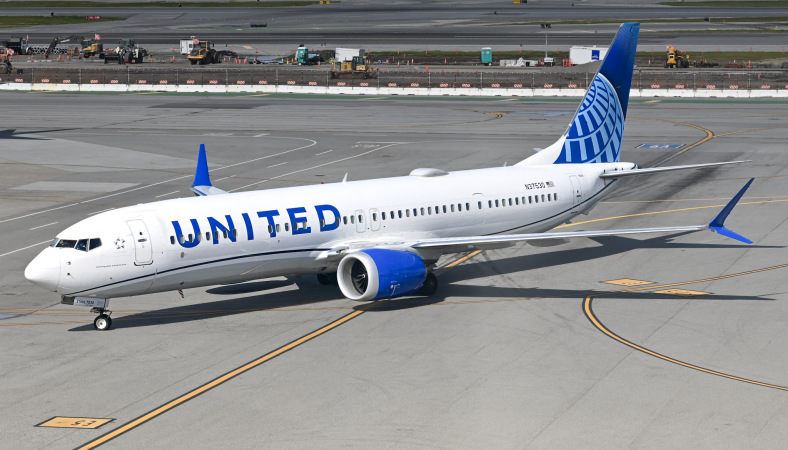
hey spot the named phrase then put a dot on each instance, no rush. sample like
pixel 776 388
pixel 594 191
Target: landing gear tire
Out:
pixel 430 285
pixel 102 322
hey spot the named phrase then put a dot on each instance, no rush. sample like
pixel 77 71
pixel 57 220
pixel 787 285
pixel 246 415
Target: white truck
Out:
pixel 347 54
pixel 188 44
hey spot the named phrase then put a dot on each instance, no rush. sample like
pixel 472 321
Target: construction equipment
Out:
pixel 675 58
pixel 203 53
pixel 5 60
pixel 20 46
pixel 91 47
pixel 62 40
pixel 126 52
pixel 303 57
pixel 358 66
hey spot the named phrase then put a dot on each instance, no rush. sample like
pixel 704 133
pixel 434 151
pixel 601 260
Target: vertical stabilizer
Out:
pixel 597 129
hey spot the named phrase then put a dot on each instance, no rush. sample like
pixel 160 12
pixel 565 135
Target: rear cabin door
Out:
pixel 143 248
pixel 577 193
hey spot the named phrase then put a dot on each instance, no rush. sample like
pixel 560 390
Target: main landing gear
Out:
pixel 430 285
pixel 103 321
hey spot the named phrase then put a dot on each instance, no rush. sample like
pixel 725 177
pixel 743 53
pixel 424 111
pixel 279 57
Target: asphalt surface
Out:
pixel 522 347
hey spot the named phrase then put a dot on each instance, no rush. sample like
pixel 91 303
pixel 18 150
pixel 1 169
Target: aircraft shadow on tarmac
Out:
pixel 308 292
pixel 12 133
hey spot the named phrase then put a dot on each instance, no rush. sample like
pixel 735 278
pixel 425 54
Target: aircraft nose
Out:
pixel 44 271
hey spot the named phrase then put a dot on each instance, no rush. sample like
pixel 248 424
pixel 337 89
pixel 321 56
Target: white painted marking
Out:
pixel 280 164
pixel 164 195
pixel 42 226
pixel 25 248
pixel 165 181
pixel 317 166
pixel 260 135
pixel 220 179
pixel 323 153
pixel 98 212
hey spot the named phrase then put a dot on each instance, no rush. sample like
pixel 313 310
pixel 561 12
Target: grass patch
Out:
pixel 24 21
pixel 155 4
pixel 732 4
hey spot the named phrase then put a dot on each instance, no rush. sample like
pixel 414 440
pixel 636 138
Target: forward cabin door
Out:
pixel 361 226
pixel 143 248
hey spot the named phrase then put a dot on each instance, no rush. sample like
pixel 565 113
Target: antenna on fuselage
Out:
pixel 344 180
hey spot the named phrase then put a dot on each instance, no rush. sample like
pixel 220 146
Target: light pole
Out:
pixel 545 26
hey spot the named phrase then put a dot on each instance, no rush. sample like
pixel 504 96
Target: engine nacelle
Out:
pixel 380 273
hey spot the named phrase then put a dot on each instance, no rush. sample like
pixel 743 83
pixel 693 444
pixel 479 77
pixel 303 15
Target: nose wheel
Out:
pixel 103 321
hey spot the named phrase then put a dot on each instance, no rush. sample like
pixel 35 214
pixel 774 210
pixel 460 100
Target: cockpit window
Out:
pixel 82 244
pixel 66 243
pixel 54 242
pixel 94 243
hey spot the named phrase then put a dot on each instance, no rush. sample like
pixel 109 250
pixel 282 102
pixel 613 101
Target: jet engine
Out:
pixel 373 274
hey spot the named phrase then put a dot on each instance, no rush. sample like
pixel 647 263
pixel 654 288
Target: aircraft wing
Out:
pixel 624 173
pixel 484 242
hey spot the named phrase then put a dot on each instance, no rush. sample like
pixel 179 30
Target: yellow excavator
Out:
pixel 359 65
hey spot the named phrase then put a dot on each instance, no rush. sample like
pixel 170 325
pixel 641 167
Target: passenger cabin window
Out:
pixel 383 215
pixel 399 214
pixel 278 228
pixel 555 197
pixel 452 207
pixel 480 205
pixel 270 229
pixel 181 240
pixel 235 233
pixel 191 238
pixel 444 209
pixel 287 226
pixel 172 240
pixel 360 218
pixel 344 219
pixel 224 233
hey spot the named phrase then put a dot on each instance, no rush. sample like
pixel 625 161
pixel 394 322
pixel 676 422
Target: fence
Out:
pixel 436 79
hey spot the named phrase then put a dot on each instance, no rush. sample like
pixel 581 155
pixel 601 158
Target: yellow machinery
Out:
pixel 359 65
pixel 675 58
pixel 92 47
pixel 203 53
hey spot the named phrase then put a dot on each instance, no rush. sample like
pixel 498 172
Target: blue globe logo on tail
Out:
pixel 595 134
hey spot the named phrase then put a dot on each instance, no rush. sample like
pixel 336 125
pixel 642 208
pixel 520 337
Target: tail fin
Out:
pixel 596 131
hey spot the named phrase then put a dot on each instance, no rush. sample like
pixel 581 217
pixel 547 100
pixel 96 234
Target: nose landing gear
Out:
pixel 103 321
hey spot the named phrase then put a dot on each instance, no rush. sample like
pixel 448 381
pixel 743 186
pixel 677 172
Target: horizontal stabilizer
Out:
pixel 625 173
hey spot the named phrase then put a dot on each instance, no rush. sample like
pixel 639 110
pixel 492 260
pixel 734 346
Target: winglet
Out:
pixel 717 225
pixel 202 181
pixel 201 178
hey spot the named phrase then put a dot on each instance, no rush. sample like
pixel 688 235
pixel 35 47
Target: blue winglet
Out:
pixel 717 225
pixel 201 178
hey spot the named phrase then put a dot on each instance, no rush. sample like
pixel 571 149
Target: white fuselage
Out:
pixel 155 247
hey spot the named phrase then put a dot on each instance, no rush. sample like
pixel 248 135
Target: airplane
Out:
pixel 376 239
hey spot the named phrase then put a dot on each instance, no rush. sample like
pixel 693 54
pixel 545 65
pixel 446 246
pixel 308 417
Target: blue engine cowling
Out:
pixel 380 273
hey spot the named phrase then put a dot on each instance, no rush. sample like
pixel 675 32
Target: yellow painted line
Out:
pixel 374 98
pixel 223 379
pixel 256 95
pixel 462 260
pixel 689 199
pixel 663 212
pixel 653 101
pixel 74 422
pixel 628 282
pixel 509 100
pixel 681 292
pixel 249 47
pixel 589 312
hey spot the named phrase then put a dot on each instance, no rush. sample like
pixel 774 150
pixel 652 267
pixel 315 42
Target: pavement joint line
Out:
pixel 662 212
pixel 589 313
